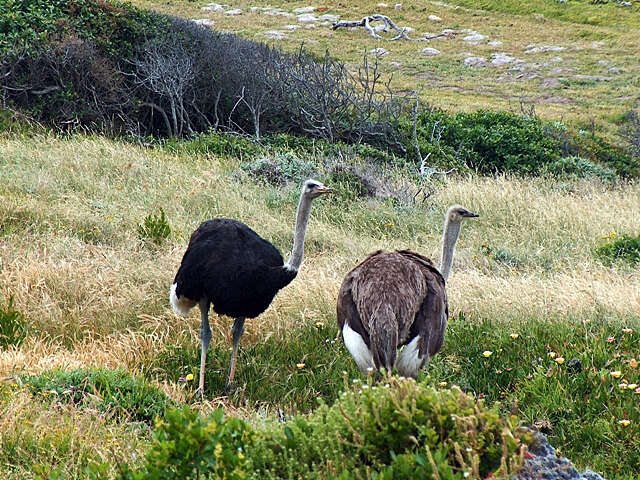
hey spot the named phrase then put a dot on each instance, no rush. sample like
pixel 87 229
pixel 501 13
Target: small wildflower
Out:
pixel 498 372
pixel 627 331
pixel 616 374
pixel 514 335
pixel 508 369
pixel 622 386
pixel 487 353
pixel 632 386
pixel 344 372
pixel 611 339
pixel 443 384
pixel 182 379
pixel 365 387
pixel 633 363
pixel 299 366
pixel 189 377
pixel 481 395
pixel 585 321
pixel 559 360
pixel 624 422
pixel 319 324
pixel 369 369
pixel 553 354
pixel 638 390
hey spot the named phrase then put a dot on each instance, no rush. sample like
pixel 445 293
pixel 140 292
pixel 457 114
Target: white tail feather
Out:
pixel 181 305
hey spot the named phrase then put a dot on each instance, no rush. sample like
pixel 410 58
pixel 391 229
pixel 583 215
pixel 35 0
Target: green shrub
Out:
pixel 578 167
pixel 186 446
pixel 154 228
pixel 13 327
pixel 487 141
pixel 280 169
pixel 112 391
pixel 391 430
pixel 623 248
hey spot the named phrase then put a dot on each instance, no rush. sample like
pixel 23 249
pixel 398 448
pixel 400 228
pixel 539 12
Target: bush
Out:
pixel 623 248
pixel 399 430
pixel 112 391
pixel 281 169
pixel 185 446
pixel 13 327
pixel 578 167
pixel 154 228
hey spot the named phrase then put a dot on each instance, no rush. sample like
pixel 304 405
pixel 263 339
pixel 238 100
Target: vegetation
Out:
pixel 111 391
pixel 542 328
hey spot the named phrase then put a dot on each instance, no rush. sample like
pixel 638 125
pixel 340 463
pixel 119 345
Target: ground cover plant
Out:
pixel 542 326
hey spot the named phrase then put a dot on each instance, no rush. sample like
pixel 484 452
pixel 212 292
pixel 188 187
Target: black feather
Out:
pixel 232 266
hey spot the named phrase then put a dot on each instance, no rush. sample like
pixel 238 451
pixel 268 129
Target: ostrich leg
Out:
pixel 237 330
pixel 205 338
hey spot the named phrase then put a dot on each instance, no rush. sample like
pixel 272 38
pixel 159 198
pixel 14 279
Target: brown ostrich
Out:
pixel 398 299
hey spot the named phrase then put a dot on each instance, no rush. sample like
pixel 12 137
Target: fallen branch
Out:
pixel 366 23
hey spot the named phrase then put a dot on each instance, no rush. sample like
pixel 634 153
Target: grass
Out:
pixel 101 301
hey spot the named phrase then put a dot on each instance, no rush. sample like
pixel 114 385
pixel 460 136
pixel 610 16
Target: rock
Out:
pixel 475 37
pixel 614 70
pixel 330 18
pixel 447 31
pixel 544 48
pixel 307 18
pixel 205 22
pixel 430 51
pixel 466 54
pixel 499 59
pixel 574 366
pixel 542 462
pixel 310 25
pixel 292 27
pixel 380 52
pixel 395 64
pixel 300 10
pixel 495 43
pixel 475 61
pixel 538 16
pixel 398 6
pixel 594 78
pixel 624 4
pixel 434 18
pixel 278 13
pixel 275 34
pixel 213 7
pixel 235 11
pixel 408 29
pixel 556 60
pixel 597 44
pixel 383 5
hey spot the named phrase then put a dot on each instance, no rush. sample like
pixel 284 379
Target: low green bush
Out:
pixel 624 248
pixel 397 429
pixel 13 326
pixel 154 228
pixel 113 391
pixel 578 167
pixel 280 169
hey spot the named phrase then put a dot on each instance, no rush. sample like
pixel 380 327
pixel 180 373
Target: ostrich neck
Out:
pixel 302 219
pixel 449 238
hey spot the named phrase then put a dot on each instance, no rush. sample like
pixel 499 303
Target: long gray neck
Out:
pixel 449 238
pixel 302 219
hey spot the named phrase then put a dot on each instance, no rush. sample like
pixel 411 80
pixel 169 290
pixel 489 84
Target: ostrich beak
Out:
pixel 323 189
pixel 470 214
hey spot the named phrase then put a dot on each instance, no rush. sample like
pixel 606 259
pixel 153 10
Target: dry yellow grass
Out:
pixel 102 300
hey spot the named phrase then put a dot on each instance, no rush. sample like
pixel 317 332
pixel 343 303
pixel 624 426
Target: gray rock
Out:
pixel 544 48
pixel 495 43
pixel 545 464
pixel 205 22
pixel 275 34
pixel 430 51
pixel 475 37
pixel 330 18
pixel 235 11
pixel 304 10
pixel 499 59
pixel 434 18
pixel 213 7
pixel 380 52
pixel 307 18
pixel 475 61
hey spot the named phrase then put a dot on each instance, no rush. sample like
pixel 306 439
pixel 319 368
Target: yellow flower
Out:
pixel 624 422
pixel 300 366
pixel 559 360
pixel 632 386
pixel 189 377
pixel 514 335
pixel 616 374
pixel 553 354
pixel 443 384
pixel 319 324
pixel 487 353
pixel 633 363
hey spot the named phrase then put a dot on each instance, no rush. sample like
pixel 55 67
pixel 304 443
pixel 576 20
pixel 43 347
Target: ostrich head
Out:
pixel 313 189
pixel 457 214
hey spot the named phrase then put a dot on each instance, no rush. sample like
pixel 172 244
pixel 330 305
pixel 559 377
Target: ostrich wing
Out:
pixel 347 311
pixel 431 319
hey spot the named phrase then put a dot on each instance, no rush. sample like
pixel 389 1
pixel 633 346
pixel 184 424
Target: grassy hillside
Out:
pixel 544 324
pixel 593 78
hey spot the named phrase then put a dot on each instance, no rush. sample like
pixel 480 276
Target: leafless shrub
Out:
pixel 630 131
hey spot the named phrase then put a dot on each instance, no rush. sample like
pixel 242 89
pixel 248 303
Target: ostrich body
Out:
pixel 398 299
pixel 231 267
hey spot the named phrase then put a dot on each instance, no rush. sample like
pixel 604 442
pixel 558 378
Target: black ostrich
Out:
pixel 229 265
